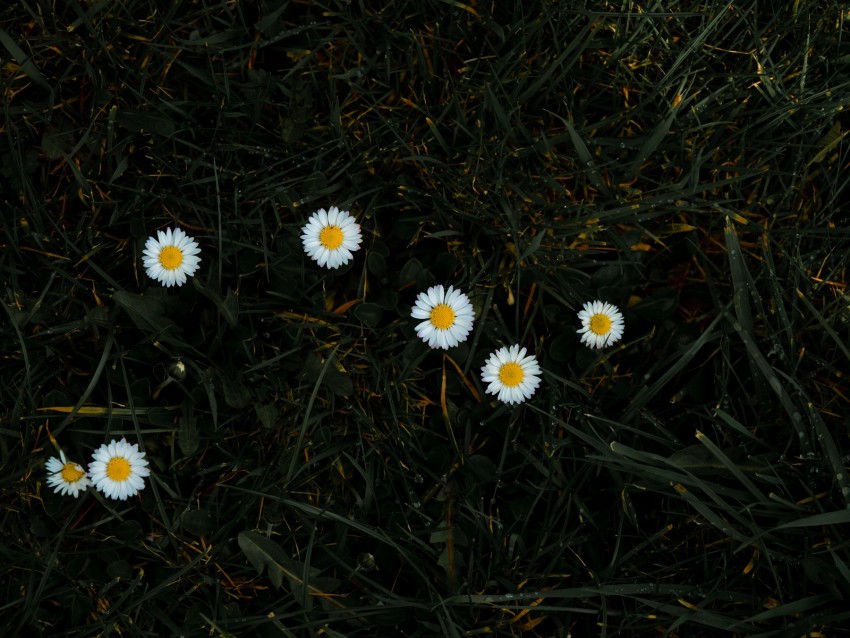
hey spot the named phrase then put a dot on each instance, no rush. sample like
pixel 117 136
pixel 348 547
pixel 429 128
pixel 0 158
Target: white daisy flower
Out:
pixel 448 317
pixel 511 374
pixel 329 237
pixel 66 477
pixel 171 256
pixel 118 469
pixel 601 324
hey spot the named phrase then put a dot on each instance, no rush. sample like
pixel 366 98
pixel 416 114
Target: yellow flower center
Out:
pixel 170 257
pixel 511 374
pixel 118 469
pixel 442 316
pixel 71 473
pixel 600 324
pixel 331 237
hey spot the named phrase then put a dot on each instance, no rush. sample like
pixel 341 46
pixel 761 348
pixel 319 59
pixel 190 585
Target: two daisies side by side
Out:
pixel 117 470
pixel 329 238
pixel 447 321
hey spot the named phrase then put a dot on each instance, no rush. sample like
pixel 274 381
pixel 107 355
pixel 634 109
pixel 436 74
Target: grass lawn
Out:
pixel 316 469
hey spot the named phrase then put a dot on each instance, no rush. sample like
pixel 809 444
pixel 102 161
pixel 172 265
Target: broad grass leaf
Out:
pixel 792 609
pixel 78 174
pixel 821 572
pixel 481 467
pixel 24 61
pixel 267 414
pixel 657 307
pixel 842 567
pixel 236 394
pixel 652 142
pixel 533 246
pixel 741 278
pixel 198 522
pixel 388 300
pixel 377 264
pixel 828 142
pixel 119 169
pixel 734 460
pixel 454 535
pixel 228 307
pixel 380 248
pixel 369 313
pixel 444 233
pixel 56 142
pixel 304 583
pixel 127 531
pixel 562 347
pixel 326 373
pixel 266 555
pixel 694 458
pixel 187 435
pixel 410 271
pixel 148 313
pixel 670 369
pixel 270 21
pixel 586 158
pixel 838 517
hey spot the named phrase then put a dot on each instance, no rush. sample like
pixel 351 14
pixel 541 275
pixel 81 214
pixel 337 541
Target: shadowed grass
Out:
pixel 316 469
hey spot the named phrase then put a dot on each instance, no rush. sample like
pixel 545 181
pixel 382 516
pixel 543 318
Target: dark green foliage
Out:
pixel 317 470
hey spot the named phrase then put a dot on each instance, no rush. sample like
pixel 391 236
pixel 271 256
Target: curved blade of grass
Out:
pixel 742 285
pixel 264 554
pixel 761 366
pixel 660 131
pixel 671 369
pixel 838 517
pixel 793 609
pixel 732 467
pixel 302 432
pixel 828 329
pixel 24 61
pixel 742 281
pixel 584 155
